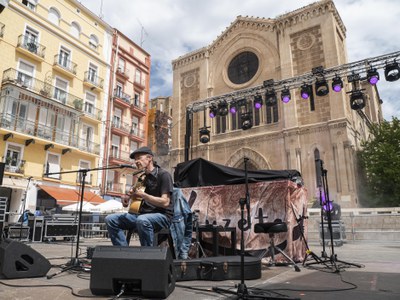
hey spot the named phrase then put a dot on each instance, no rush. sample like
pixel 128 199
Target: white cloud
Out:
pixel 174 27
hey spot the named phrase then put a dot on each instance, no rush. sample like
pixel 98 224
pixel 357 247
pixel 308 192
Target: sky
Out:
pixel 167 29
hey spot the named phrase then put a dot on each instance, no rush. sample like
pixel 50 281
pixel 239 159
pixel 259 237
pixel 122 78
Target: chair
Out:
pixel 271 228
pixel 159 237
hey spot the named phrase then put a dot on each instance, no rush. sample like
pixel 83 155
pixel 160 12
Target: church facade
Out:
pixel 289 135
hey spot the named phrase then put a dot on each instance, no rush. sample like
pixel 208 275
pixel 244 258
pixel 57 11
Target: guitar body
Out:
pixel 136 203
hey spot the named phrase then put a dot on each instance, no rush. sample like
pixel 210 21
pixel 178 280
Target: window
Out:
pixel 64 58
pixel 90 101
pixel 116 141
pixel 135 126
pixel 118 90
pixel 136 99
pixel 25 74
pixel 31 40
pixel 75 29
pixel 31 4
pixel 243 67
pixel 53 165
pixel 87 136
pixel 47 121
pixel 134 146
pixel 13 160
pixel 92 73
pixel 121 65
pixel 54 16
pixel 138 76
pixel 93 41
pixel 117 118
pixel 60 91
pixel 84 165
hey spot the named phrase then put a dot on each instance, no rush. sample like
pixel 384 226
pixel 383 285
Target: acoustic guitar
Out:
pixel 135 203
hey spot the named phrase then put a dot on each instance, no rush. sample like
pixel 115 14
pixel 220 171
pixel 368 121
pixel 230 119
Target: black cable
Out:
pixel 48 285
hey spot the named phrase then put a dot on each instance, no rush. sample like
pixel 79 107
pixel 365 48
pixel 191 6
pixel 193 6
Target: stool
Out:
pixel 157 240
pixel 272 228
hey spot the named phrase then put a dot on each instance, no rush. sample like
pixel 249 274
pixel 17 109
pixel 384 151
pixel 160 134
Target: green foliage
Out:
pixel 380 163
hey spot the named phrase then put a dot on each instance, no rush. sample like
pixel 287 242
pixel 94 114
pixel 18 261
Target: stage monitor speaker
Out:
pixel 18 260
pixel 144 271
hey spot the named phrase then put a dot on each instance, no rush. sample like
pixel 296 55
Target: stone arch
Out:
pixel 256 160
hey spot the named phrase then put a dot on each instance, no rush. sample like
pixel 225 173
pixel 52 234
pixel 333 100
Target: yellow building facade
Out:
pixel 55 73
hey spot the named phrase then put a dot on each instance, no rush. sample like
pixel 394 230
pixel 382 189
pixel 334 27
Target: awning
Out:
pixel 69 196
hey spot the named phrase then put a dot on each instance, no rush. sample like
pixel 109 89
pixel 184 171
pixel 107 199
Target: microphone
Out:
pixel 132 167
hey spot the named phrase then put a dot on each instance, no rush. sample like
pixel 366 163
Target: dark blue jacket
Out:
pixel 182 225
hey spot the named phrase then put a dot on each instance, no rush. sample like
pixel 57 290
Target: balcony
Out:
pixel 2 26
pixel 122 98
pixel 93 81
pixel 31 48
pixel 65 66
pixel 123 73
pixel 138 108
pixel 117 156
pixel 48 133
pixel 114 187
pixel 44 89
pixel 136 134
pixel 13 165
pixel 121 128
pixel 91 111
pixel 140 84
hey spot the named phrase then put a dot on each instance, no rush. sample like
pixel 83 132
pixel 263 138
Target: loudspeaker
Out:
pixel 17 260
pixel 145 271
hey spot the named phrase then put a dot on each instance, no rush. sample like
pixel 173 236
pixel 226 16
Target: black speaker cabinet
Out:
pixel 145 271
pixel 18 260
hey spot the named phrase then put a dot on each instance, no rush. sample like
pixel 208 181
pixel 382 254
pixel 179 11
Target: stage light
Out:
pixel 285 95
pixel 247 120
pixel 357 100
pixel 213 111
pixel 305 91
pixel 233 108
pixel 392 71
pixel 223 108
pixel 321 87
pixel 204 135
pixel 270 97
pixel 337 84
pixel 372 76
pixel 334 209
pixel 258 101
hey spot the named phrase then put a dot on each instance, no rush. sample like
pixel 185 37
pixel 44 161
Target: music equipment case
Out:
pixel 217 268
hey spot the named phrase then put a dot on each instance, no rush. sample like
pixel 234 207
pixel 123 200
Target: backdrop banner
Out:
pixel 269 200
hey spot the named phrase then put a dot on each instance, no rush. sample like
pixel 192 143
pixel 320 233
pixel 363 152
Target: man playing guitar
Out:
pixel 156 208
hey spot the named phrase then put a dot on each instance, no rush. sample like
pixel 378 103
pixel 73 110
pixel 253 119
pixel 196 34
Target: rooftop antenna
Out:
pixel 101 16
pixel 143 33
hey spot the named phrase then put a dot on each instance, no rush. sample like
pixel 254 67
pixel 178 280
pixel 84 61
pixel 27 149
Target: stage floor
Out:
pixel 370 270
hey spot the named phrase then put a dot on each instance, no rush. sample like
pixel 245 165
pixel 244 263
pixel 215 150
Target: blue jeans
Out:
pixel 145 225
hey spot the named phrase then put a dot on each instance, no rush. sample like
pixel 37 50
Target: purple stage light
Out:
pixel 285 99
pixel 373 80
pixel 337 88
pixel 233 110
pixel 257 105
pixel 304 95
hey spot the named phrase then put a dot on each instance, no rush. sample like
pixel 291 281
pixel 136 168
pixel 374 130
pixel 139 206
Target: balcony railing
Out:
pixel 115 187
pixel 92 111
pixel 40 87
pixel 13 165
pixel 66 64
pixel 121 126
pixel 140 83
pixel 1 30
pixel 46 170
pixel 120 155
pixel 138 105
pixel 31 45
pixel 93 79
pixel 123 72
pixel 121 95
pixel 137 133
pixel 49 133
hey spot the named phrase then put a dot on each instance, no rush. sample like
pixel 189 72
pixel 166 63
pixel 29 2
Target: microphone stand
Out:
pixel 23 209
pixel 75 263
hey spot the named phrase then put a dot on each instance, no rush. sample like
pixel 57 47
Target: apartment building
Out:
pixel 55 74
pixel 126 124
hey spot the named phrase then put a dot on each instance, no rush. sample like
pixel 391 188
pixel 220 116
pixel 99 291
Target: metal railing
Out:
pixel 13 165
pixel 50 133
pixel 31 45
pixel 94 79
pixel 123 96
pixel 122 126
pixel 64 63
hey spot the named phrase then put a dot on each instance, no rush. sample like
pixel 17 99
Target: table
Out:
pixel 215 230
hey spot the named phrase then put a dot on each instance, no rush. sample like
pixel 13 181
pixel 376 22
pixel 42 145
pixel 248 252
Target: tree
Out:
pixel 380 162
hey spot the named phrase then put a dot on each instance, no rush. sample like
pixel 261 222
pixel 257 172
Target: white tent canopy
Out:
pixel 86 206
pixel 108 206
